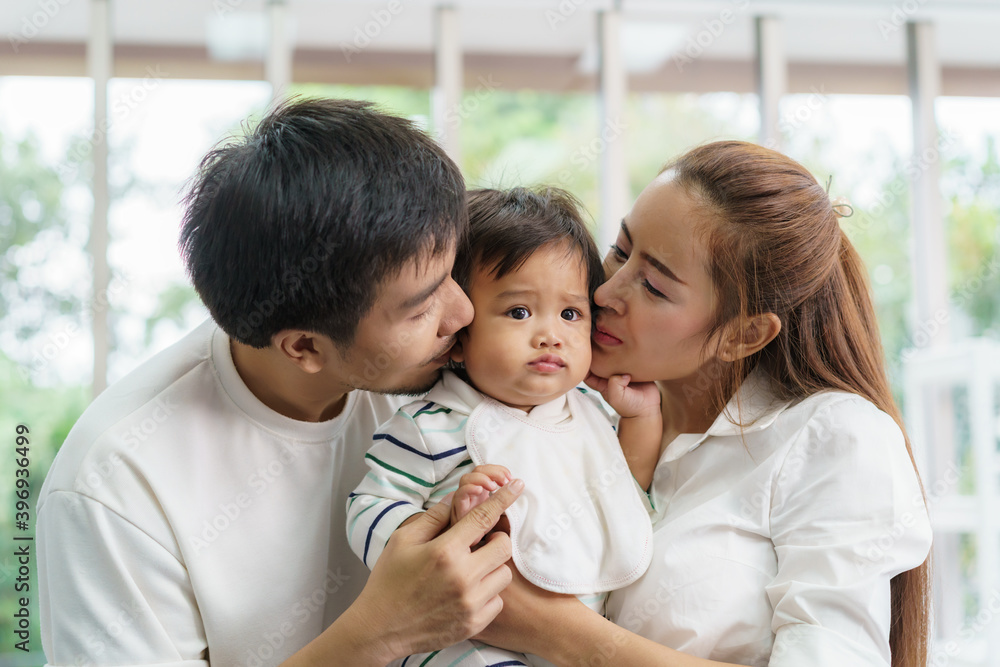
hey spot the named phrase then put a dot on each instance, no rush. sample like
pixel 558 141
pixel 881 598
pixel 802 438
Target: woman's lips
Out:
pixel 602 337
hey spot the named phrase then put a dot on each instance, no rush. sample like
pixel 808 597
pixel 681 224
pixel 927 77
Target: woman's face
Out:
pixel 657 304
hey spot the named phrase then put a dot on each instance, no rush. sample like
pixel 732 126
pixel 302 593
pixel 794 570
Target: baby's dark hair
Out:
pixel 507 226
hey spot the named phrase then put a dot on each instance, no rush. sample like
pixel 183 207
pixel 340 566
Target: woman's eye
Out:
pixel 618 252
pixel 571 315
pixel 652 290
pixel 519 313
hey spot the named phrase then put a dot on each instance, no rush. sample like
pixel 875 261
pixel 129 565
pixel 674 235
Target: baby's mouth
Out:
pixel 548 363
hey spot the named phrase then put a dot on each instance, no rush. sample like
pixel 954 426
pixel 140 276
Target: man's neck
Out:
pixel 286 389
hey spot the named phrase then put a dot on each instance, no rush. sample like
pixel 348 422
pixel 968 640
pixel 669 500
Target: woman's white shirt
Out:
pixel 776 547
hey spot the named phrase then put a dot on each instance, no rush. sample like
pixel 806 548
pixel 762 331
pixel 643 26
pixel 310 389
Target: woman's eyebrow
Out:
pixel 657 264
pixel 661 267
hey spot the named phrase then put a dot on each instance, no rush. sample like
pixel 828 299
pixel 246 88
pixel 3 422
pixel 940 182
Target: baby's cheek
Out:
pixel 581 341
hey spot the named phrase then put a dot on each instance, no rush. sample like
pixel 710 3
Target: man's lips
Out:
pixel 445 356
pixel 603 337
pixel 548 363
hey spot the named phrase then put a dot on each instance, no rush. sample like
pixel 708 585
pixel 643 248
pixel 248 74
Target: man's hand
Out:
pixel 428 589
pixel 475 487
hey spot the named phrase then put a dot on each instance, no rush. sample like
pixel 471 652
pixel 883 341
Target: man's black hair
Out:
pixel 298 223
pixel 507 226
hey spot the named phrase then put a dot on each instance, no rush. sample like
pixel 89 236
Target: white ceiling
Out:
pixel 837 31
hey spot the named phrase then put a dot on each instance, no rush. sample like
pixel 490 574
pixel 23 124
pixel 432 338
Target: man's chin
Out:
pixel 413 388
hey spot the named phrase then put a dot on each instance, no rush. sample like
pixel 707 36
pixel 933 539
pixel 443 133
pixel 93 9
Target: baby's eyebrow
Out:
pixel 516 292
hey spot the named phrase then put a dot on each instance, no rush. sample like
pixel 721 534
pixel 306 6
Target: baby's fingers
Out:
pixel 480 481
pixel 496 473
pixel 614 391
pixel 596 382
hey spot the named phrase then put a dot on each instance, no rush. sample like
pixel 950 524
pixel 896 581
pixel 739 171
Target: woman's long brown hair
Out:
pixel 775 245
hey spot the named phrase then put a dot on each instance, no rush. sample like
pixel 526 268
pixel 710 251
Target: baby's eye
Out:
pixel 571 314
pixel 519 313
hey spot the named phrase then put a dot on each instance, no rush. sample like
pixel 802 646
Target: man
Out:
pixel 195 513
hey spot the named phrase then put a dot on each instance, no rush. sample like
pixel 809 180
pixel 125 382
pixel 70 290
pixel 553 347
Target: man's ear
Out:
pixel 744 338
pixel 305 349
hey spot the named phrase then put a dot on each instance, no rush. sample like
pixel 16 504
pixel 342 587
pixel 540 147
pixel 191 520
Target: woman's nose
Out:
pixel 609 294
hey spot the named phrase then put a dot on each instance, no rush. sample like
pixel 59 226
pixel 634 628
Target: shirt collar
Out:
pixel 455 393
pixel 554 412
pixel 754 404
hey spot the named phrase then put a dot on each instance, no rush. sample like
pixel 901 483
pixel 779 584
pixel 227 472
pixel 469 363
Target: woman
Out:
pixel 790 526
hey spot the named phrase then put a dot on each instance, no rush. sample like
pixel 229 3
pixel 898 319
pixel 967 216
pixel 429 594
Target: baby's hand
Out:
pixel 628 400
pixel 475 487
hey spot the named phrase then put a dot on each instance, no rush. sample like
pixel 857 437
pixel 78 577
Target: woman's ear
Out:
pixel 749 336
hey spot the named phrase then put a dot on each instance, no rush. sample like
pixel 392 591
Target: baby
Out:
pixel 581 526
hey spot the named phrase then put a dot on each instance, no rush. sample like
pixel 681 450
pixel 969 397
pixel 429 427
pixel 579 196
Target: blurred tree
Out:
pixel 33 216
pixel 973 225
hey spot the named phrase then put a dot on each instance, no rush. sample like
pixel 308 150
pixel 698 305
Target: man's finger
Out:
pixel 490 555
pixel 482 518
pixel 489 611
pixel 429 524
pixel 496 581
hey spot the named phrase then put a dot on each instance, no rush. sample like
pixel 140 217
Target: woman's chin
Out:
pixel 605 368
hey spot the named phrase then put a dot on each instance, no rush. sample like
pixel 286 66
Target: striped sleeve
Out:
pixel 408 471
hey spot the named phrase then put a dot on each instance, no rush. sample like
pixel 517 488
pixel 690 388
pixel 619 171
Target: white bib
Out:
pixel 581 525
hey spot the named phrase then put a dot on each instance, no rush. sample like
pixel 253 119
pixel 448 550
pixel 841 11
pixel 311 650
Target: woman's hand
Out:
pixel 629 399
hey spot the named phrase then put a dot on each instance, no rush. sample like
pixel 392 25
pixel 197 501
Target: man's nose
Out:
pixel 458 312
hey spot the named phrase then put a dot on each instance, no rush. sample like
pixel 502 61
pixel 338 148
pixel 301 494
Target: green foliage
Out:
pixel 973 225
pixel 172 305
pixel 32 215
pixel 406 102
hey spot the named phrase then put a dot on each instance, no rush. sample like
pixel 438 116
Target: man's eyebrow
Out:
pixel 657 264
pixel 418 299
